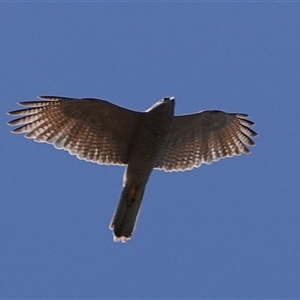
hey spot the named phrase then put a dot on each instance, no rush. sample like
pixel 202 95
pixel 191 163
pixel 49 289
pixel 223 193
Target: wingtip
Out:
pixel 13 113
pixel 46 97
pixel 50 98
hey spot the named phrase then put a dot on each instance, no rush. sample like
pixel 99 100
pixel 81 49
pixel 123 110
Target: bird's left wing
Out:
pixel 93 130
pixel 205 137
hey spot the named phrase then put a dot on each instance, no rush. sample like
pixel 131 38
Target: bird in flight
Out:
pixel 101 132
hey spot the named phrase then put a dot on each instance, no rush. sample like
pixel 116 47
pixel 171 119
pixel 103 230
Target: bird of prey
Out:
pixel 101 132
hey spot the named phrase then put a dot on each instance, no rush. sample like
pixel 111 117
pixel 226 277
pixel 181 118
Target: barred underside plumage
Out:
pixel 205 137
pixel 93 130
pixel 101 132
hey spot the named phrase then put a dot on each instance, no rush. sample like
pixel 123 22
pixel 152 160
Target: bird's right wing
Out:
pixel 93 130
pixel 205 137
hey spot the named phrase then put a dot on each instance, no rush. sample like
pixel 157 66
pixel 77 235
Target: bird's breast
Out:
pixel 147 148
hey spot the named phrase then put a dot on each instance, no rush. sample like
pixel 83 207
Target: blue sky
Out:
pixel 228 230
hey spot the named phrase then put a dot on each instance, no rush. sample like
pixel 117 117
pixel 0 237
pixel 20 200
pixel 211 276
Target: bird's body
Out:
pixel 147 147
pixel 99 131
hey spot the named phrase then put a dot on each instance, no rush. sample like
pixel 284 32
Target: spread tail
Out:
pixel 125 217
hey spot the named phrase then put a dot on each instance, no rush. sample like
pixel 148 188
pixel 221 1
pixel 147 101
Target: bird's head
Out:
pixel 166 103
pixel 167 99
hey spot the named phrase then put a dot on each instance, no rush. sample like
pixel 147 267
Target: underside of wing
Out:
pixel 205 137
pixel 93 130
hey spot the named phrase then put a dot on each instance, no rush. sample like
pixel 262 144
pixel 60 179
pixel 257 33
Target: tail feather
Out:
pixel 125 217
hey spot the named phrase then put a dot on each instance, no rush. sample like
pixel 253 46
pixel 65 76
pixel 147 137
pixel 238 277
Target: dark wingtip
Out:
pixel 47 97
pixel 242 115
pixel 13 113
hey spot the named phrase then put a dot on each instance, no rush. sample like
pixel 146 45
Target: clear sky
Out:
pixel 228 230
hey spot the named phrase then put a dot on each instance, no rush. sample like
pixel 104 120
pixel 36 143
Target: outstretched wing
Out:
pixel 93 130
pixel 205 137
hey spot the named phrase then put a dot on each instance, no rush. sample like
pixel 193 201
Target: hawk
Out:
pixel 101 132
